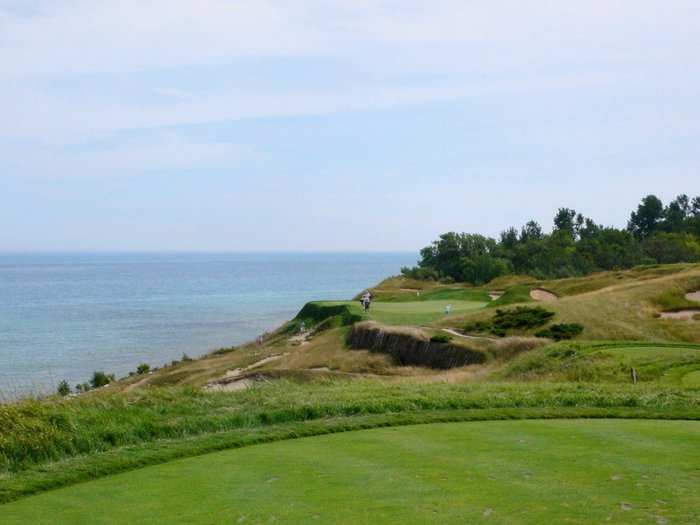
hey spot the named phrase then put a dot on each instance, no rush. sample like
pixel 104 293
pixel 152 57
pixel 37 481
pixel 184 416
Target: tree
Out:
pixel 63 388
pixel 565 221
pixel 509 238
pixel 100 379
pixel 531 232
pixel 143 368
pixel 676 214
pixel 667 248
pixel 646 219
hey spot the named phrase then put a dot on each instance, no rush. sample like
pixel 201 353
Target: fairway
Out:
pixel 411 313
pixel 573 471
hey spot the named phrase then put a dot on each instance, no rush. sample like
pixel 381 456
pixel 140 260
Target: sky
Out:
pixel 340 125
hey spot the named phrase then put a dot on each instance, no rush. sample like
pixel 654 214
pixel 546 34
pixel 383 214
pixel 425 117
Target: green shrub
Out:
pixel 99 379
pixel 440 338
pixel 561 331
pixel 63 388
pixel 520 318
pixel 143 368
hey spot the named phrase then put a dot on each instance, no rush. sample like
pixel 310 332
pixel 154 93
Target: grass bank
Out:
pixel 560 471
pixel 48 444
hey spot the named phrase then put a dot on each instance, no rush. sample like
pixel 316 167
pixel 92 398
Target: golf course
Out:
pixel 579 403
pixel 478 472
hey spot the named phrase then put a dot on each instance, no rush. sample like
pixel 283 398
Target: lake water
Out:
pixel 64 316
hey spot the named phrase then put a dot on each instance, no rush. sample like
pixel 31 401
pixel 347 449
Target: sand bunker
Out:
pixel 538 294
pixel 693 296
pixel 686 315
pixel 495 294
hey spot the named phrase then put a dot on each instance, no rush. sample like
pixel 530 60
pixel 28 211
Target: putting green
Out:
pixel 411 313
pixel 557 471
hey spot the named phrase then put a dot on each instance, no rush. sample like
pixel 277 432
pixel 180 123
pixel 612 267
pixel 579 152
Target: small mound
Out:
pixel 539 294
pixel 686 315
pixel 693 296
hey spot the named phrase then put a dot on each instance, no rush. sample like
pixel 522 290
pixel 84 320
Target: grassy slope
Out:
pixel 621 305
pixel 551 471
pixel 677 364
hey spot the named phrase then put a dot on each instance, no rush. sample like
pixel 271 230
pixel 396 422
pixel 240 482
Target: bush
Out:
pixel 520 318
pixel 186 358
pixel 440 338
pixel 561 331
pixel 63 388
pixel 143 368
pixel 100 379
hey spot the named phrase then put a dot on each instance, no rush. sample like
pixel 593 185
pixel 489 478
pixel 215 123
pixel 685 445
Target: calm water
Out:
pixel 64 316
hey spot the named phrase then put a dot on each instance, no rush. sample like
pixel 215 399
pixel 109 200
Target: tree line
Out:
pixel 577 245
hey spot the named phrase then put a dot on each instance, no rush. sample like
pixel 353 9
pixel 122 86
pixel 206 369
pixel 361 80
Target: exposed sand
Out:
pixel 693 296
pixel 467 336
pixel 686 315
pixel 232 386
pixel 495 294
pixel 539 294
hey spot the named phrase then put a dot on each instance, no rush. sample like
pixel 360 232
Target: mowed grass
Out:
pixel 411 313
pixel 555 471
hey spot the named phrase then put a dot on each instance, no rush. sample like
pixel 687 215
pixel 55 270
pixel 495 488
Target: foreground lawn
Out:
pixel 557 471
pixel 411 313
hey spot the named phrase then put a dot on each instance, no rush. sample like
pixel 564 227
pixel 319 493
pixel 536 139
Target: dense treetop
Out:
pixel 577 245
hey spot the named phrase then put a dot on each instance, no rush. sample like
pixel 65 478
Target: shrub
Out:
pixel 63 388
pixel 440 338
pixel 99 379
pixel 82 387
pixel 561 331
pixel 143 368
pixel 186 358
pixel 522 317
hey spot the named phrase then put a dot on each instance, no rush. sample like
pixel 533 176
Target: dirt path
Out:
pixel 467 336
pixel 693 296
pixel 538 294
pixel 686 315
pixel 231 382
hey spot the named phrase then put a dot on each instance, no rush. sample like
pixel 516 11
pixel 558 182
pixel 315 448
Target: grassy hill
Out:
pixel 394 365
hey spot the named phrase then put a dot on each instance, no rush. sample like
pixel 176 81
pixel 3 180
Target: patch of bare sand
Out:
pixel 685 315
pixel 693 296
pixel 231 386
pixel 538 294
pixel 496 294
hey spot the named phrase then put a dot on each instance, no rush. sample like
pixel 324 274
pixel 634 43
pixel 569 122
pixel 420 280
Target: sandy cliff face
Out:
pixel 411 346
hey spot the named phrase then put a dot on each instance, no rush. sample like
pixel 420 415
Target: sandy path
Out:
pixel 693 296
pixel 538 294
pixel 467 336
pixel 686 315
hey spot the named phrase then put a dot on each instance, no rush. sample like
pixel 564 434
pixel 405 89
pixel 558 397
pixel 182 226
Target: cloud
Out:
pixel 76 69
pixel 159 152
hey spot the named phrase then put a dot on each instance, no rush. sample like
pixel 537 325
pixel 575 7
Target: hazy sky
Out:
pixel 336 125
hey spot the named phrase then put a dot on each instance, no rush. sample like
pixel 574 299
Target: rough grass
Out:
pixel 673 364
pixel 575 471
pixel 36 434
pixel 623 311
